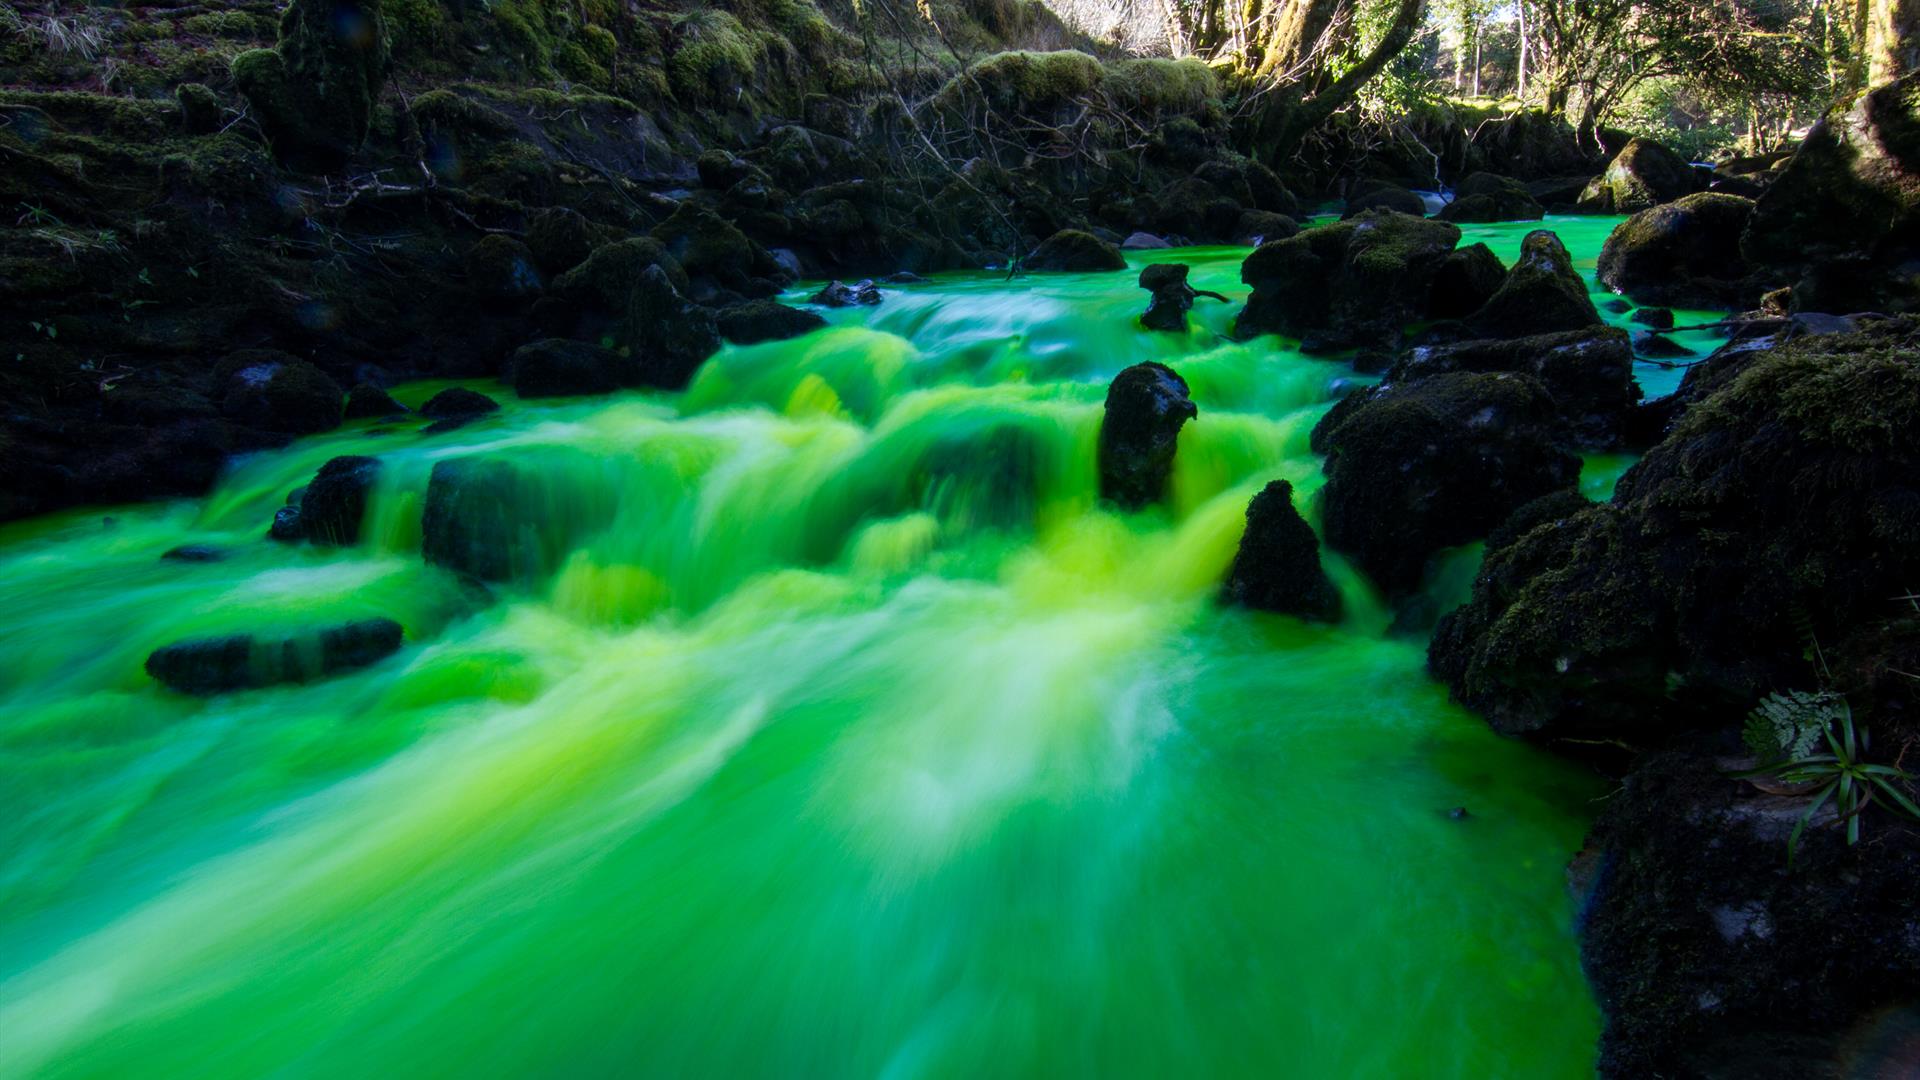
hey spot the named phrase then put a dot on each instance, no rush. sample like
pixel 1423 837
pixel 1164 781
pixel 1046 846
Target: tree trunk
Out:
pixel 1520 82
pixel 1310 113
pixel 1893 40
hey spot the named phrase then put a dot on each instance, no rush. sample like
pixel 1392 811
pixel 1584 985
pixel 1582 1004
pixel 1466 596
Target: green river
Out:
pixel 851 738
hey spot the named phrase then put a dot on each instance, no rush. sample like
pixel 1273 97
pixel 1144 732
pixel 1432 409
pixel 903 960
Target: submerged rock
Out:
pixel 1417 467
pixel 1643 175
pixel 217 665
pixel 1277 567
pixel 197 553
pixel 336 500
pixel 1685 253
pixel 766 320
pixel 503 520
pixel 1071 249
pixel 1784 500
pixel 1147 404
pixel 1542 294
pixel 1353 283
pixel 836 294
pixel 680 337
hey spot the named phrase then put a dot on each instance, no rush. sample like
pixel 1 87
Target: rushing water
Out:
pixel 852 738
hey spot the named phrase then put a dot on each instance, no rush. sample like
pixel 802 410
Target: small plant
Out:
pixel 1778 730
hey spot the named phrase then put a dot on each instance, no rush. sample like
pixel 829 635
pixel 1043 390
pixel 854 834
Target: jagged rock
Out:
pixel 366 400
pixel 273 391
pixel 1416 467
pixel 217 665
pixel 1685 253
pixel 1643 175
pixel 1172 296
pixel 1589 374
pixel 836 294
pixel 767 320
pixel 1355 282
pixel 1071 249
pixel 314 92
pixel 1465 281
pixel 1669 607
pixel 1484 197
pixel 1541 294
pixel 1147 404
pixel 1277 567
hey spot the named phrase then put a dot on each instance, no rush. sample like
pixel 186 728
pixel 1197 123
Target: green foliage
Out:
pixel 1842 775
pixel 1790 725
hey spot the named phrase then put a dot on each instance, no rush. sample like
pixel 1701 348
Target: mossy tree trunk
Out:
pixel 1893 39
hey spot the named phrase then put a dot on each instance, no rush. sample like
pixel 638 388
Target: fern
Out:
pixel 1790 725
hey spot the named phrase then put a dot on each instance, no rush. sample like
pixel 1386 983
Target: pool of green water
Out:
pixel 852 737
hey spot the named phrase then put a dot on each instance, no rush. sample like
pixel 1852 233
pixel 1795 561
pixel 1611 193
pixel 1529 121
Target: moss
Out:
pixel 1181 86
pixel 200 110
pixel 230 24
pixel 1024 81
pixel 573 60
pixel 314 92
pixel 101 114
pixel 449 111
pixel 712 58
pixel 418 28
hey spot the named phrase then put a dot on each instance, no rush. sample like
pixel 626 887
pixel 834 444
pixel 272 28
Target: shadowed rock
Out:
pixel 1277 567
pixel 217 665
pixel 1684 253
pixel 767 320
pixel 837 294
pixel 1147 404
pixel 1172 296
pixel 1542 294
pixel 1071 249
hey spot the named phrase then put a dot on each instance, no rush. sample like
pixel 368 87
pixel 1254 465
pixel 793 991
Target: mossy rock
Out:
pixel 314 92
pixel 1684 253
pixel 502 268
pixel 200 111
pixel 1542 294
pixel 1071 249
pixel 1184 86
pixel 273 391
pixel 1277 565
pixel 1643 175
pixel 1357 282
pixel 1026 83
pixel 711 59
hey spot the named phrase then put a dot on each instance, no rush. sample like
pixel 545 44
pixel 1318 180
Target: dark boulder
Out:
pixel 1384 197
pixel 1256 227
pixel 768 320
pixel 1656 317
pixel 366 400
pixel 1417 467
pixel 217 665
pixel 1685 253
pixel 559 367
pixel 718 258
pixel 679 334
pixel 1653 345
pixel 1277 567
pixel 503 520
pixel 196 553
pixel 1172 296
pixel 1783 503
pixel 1643 175
pixel 500 268
pixel 1541 294
pixel 1709 959
pixel 458 402
pixel 1147 404
pixel 561 238
pixel 1485 197
pixel 1143 241
pixel 1353 283
pixel 1588 373
pixel 273 391
pixel 837 294
pixel 335 501
pixel 1465 281
pixel 1071 249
